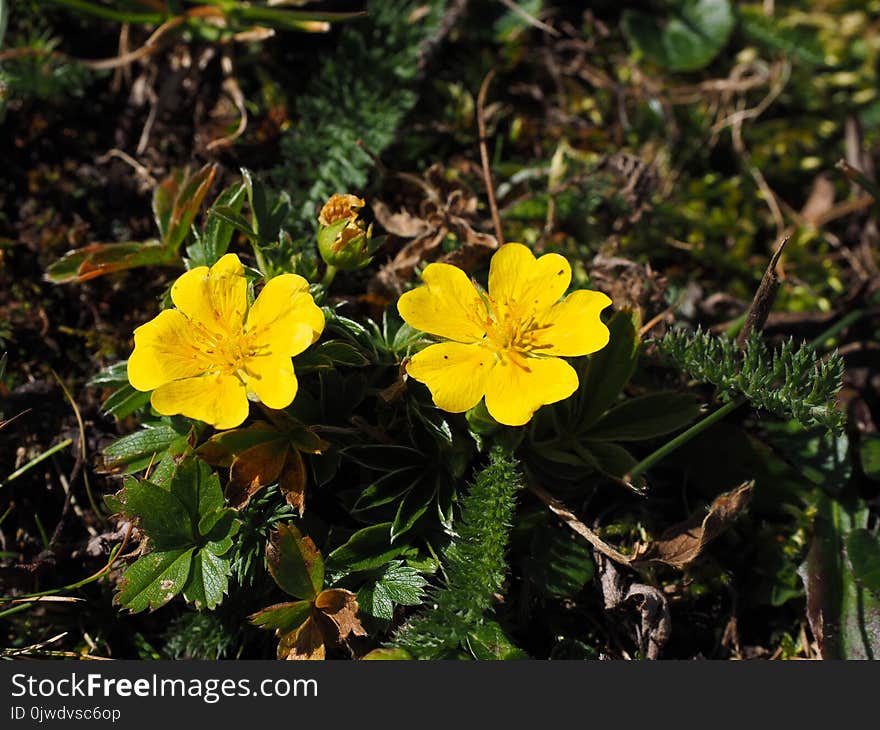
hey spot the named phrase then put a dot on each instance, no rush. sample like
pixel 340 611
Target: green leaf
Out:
pixel 337 352
pixel 609 369
pixel 863 549
pixel 646 417
pixel 161 514
pixel 869 451
pixel 208 580
pixel 614 461
pixel 366 549
pixel 387 488
pixel 688 38
pixel 154 579
pixel 295 563
pixel 228 216
pixel 197 487
pixel 98 259
pixel 403 584
pixel 176 201
pixel 4 18
pixel 488 642
pixel 844 616
pixel 115 374
pixel 412 506
pixel 398 584
pixel 218 232
pixel 283 616
pixel 135 451
pixel 124 401
pixel 561 564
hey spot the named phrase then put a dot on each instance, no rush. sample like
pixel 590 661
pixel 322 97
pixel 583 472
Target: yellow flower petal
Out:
pixel 220 400
pixel 514 393
pixel 273 380
pixel 456 374
pixel 517 279
pixel 447 306
pixel 285 318
pixel 215 298
pixel 572 327
pixel 164 350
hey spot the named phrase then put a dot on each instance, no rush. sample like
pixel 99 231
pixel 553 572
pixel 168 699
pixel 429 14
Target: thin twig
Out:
pixel 230 85
pixel 484 157
pixel 567 516
pixel 529 18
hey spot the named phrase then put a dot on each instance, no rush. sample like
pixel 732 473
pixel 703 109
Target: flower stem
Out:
pixel 329 275
pixel 261 261
pixel 727 408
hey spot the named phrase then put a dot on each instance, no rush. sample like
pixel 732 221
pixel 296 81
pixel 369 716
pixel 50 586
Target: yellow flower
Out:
pixel 204 358
pixel 505 345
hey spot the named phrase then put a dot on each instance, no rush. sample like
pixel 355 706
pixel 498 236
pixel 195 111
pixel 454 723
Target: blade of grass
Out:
pixel 36 460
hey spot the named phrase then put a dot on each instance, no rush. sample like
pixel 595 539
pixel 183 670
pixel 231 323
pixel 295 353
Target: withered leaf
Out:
pixel 341 607
pixel 292 482
pixel 401 224
pixel 255 468
pixel 682 543
pixel 305 642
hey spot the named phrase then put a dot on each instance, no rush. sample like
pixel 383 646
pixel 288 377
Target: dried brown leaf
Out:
pixel 304 642
pixel 682 543
pixel 341 607
pixel 253 469
pixel 401 224
pixel 292 482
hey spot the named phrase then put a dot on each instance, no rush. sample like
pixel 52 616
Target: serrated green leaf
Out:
pixel 154 579
pixel 162 516
pixel 295 563
pixel 646 417
pixel 208 580
pixel 197 487
pixel 403 585
pixel 375 601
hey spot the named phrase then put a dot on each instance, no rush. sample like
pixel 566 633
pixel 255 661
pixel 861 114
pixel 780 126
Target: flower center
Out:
pixel 511 330
pixel 229 353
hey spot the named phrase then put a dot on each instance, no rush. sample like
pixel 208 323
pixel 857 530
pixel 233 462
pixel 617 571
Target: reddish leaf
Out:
pixel 253 469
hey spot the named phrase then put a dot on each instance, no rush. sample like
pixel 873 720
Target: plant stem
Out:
pixel 727 408
pixel 681 439
pixel 261 261
pixel 329 275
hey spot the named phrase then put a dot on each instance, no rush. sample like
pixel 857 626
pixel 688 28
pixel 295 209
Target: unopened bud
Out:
pixel 343 239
